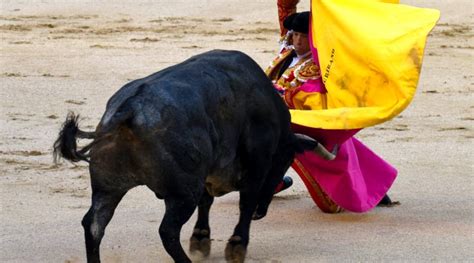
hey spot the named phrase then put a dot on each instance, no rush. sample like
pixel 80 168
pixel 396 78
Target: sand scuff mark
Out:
pixel 13 74
pixel 20 42
pixel 15 27
pixel 191 47
pixel 366 135
pixel 458 128
pixel 81 177
pixel 18 164
pixel 401 139
pixel 452 30
pixel 430 91
pixel 295 196
pixel 396 127
pixel 432 116
pixel 456 30
pixel 48 17
pixel 233 39
pixel 69 31
pixel 81 207
pixel 145 40
pixel 75 102
pixel 21 75
pixel 23 153
pixel 21 138
pixel 21 114
pixel 100 46
pixel 457 46
pixel 49 75
pixel 123 20
pixel 26 27
pixel 52 116
pixel 19 117
pixel 225 19
pixel 79 192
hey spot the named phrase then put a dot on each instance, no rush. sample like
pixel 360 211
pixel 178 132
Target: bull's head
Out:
pixel 304 143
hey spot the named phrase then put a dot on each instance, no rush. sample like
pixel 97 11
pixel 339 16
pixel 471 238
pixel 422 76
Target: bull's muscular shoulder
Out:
pixel 216 66
pixel 226 58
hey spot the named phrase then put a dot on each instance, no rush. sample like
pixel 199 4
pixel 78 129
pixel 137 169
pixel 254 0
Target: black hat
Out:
pixel 298 22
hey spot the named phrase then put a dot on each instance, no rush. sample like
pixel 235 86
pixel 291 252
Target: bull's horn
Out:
pixel 319 149
pixel 323 152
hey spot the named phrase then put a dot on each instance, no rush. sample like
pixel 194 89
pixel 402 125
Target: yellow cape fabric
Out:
pixel 370 54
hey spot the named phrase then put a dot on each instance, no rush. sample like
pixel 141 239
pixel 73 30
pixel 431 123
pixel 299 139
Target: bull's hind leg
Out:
pixel 178 211
pixel 97 218
pixel 201 237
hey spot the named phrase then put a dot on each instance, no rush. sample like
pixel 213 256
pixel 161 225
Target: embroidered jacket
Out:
pixel 291 83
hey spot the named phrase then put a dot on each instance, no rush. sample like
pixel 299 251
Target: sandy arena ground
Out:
pixel 73 55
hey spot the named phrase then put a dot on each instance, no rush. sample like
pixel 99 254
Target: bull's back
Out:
pixel 208 98
pixel 220 83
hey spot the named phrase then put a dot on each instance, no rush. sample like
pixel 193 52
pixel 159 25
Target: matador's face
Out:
pixel 300 42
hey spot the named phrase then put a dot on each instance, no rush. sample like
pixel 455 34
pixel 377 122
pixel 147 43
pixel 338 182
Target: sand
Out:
pixel 58 56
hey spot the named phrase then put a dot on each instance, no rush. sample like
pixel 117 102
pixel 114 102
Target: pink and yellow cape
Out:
pixel 370 54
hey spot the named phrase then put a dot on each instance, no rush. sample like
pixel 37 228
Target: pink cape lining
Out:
pixel 357 179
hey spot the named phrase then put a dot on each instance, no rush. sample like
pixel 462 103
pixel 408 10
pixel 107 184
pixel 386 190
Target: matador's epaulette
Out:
pixel 307 70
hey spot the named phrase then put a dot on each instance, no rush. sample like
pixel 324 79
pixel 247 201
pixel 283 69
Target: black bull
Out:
pixel 207 126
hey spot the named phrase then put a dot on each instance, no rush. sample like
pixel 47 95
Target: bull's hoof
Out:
pixel 200 242
pixel 235 251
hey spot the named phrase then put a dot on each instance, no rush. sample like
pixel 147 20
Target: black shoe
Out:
pixel 387 202
pixel 285 183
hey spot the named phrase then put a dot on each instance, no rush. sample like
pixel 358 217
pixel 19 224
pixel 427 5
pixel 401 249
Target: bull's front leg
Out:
pixel 201 237
pixel 236 248
pixel 257 160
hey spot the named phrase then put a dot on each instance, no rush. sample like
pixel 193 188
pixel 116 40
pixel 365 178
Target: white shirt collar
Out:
pixel 298 58
pixel 304 55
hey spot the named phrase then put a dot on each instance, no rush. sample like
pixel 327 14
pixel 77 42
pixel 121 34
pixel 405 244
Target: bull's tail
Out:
pixel 66 146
